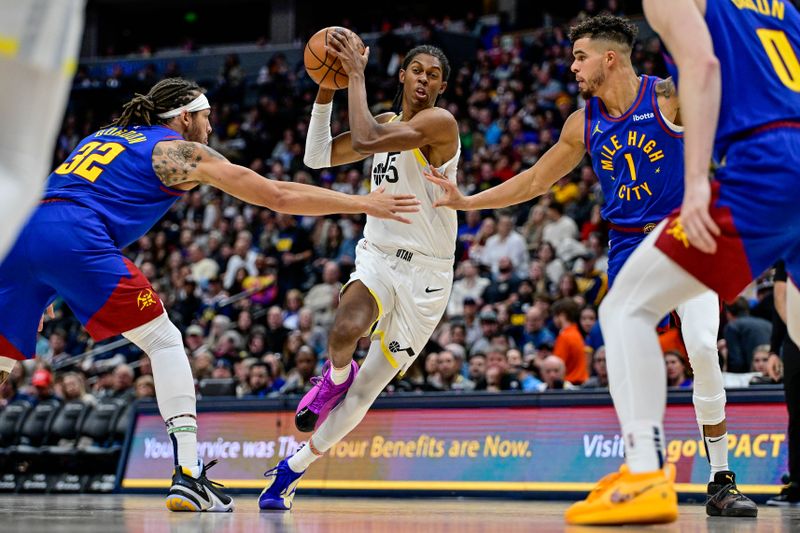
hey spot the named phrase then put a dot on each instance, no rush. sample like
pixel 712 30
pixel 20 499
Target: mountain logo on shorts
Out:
pixel 145 299
pixel 394 347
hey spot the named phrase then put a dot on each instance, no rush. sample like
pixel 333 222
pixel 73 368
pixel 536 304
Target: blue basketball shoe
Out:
pixel 281 484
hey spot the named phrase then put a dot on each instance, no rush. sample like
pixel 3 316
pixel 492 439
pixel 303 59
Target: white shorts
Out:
pixel 411 290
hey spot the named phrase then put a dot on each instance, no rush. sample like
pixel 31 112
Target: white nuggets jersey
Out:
pixel 432 231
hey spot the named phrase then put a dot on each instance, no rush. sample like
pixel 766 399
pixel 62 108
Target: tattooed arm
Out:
pixel 668 100
pixel 179 163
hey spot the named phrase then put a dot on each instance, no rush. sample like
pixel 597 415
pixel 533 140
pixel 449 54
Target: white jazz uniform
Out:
pixel 408 268
pixel 39 42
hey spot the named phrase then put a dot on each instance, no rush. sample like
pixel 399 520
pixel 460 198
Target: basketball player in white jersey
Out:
pixel 401 285
pixel 39 42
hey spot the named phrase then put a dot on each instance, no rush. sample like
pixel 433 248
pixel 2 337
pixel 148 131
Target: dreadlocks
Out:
pixel 397 104
pixel 164 96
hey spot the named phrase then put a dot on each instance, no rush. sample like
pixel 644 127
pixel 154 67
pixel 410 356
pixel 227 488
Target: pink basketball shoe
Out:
pixel 317 404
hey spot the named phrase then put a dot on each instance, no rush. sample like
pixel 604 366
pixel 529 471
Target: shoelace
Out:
pixel 206 467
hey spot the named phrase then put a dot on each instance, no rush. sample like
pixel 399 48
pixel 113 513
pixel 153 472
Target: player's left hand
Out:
pixel 700 228
pixel 50 312
pixel 346 46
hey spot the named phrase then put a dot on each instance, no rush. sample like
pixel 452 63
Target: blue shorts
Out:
pixel 65 249
pixel 755 204
pixel 620 247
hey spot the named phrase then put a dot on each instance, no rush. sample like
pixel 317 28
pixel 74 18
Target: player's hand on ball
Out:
pixel 389 205
pixel 700 228
pixel 452 197
pixel 346 47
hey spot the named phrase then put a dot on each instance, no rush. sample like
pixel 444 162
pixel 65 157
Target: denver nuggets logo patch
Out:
pixel 145 299
pixel 676 230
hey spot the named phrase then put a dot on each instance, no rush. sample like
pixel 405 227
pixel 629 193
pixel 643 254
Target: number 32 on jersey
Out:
pixel 89 161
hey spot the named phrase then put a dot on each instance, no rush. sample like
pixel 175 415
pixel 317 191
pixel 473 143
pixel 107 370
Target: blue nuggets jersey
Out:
pixel 637 157
pixel 111 172
pixel 756 41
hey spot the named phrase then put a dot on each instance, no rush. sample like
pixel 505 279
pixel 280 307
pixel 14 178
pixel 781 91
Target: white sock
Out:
pixel 301 460
pixel 340 375
pixel 172 375
pixel 7 364
pixel 182 431
pixel 644 446
pixel 717 450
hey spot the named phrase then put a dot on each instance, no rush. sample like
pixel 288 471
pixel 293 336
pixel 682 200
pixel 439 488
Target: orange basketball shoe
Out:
pixel 626 498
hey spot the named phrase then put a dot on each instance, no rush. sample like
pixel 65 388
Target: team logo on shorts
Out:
pixel 394 347
pixel 145 299
pixel 676 230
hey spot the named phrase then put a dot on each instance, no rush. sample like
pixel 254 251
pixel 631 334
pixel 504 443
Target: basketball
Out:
pixel 321 65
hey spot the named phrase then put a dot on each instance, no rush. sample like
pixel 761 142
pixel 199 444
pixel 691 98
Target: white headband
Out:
pixel 198 104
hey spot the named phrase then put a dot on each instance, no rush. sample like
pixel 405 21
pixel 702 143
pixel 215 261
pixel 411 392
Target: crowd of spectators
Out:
pixel 254 292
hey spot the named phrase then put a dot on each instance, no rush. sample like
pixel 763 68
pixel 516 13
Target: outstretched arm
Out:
pixel 181 162
pixel 682 28
pixel 563 157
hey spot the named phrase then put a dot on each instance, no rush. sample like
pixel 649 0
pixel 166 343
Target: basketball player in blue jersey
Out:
pixel 629 128
pixel 111 189
pixel 740 102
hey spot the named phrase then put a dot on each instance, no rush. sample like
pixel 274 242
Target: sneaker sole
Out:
pixel 637 511
pixel 732 513
pixel 273 505
pixel 181 504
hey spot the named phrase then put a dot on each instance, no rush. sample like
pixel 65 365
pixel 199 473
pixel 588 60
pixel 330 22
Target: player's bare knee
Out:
pixel 347 329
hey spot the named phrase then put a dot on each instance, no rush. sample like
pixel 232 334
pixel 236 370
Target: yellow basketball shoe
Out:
pixel 626 498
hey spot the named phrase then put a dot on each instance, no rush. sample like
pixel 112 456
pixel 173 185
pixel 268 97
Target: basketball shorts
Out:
pixel 755 204
pixel 411 290
pixel 620 247
pixel 65 250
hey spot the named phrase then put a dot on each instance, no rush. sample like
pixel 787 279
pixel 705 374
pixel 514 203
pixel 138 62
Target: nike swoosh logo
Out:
pixel 428 289
pixel 716 440
pixel 621 497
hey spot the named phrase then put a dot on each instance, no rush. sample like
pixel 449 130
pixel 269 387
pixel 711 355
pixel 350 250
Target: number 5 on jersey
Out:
pixel 89 161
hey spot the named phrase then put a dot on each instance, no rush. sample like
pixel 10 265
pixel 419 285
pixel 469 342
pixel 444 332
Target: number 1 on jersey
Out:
pixel 631 166
pixel 85 162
